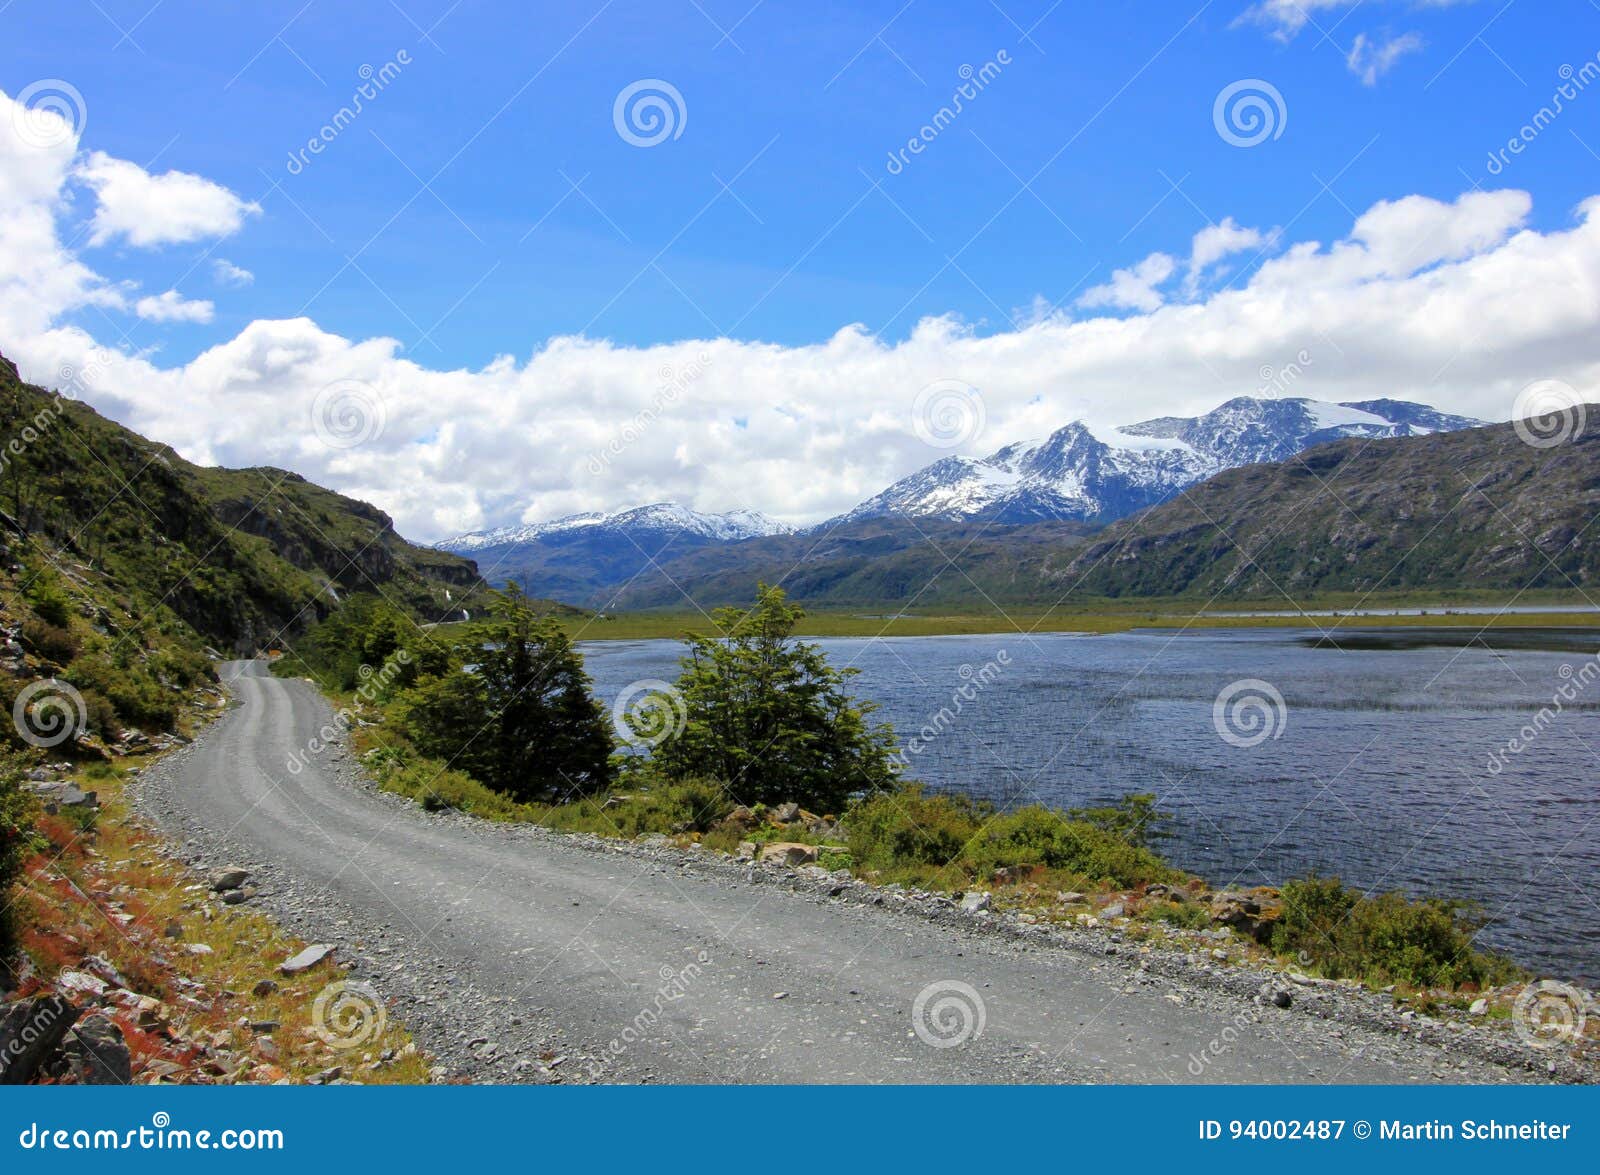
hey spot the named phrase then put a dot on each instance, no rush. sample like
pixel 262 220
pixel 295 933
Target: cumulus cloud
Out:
pixel 149 210
pixel 1456 303
pixel 1134 288
pixel 1216 242
pixel 1369 60
pixel 226 273
pixel 172 307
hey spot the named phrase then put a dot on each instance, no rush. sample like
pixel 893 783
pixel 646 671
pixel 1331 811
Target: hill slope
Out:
pixel 242 557
pixel 1472 509
pixel 872 561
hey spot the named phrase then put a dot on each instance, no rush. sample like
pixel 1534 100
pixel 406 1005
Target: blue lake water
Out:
pixel 1376 768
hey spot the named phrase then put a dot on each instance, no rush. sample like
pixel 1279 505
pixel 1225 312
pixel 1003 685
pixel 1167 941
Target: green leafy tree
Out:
pixel 768 716
pixel 522 719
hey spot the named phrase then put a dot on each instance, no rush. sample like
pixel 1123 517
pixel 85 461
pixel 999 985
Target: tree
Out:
pixel 769 717
pixel 521 718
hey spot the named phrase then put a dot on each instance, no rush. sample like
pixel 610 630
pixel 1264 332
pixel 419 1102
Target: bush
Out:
pixel 16 833
pixel 53 642
pixel 918 834
pixel 1387 938
pixel 768 716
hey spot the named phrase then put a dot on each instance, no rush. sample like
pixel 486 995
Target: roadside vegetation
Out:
pixel 100 910
pixel 758 749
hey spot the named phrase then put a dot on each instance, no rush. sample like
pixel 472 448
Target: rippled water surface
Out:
pixel 1378 769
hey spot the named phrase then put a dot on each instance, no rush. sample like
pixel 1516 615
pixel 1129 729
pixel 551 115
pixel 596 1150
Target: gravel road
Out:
pixel 516 954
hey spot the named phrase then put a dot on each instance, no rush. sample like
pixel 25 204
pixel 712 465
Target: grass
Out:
pixel 1108 616
pixel 105 886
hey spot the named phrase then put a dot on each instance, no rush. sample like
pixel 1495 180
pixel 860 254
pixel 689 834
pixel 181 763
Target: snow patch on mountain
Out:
pixel 1105 473
pixel 656 518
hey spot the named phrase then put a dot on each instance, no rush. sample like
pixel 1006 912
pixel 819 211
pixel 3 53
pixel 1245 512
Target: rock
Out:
pixel 785 813
pixel 81 983
pixel 1480 1007
pixel 1114 910
pixel 306 959
pixel 100 967
pixel 790 853
pixel 1281 998
pixel 746 850
pixel 975 903
pixel 235 897
pixel 230 878
pixel 30 1031
pixel 1071 897
pixel 95 1053
pixel 264 988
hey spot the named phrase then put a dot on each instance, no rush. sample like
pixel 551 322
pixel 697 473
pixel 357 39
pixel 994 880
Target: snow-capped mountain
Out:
pixel 1079 473
pixel 584 558
pixel 656 520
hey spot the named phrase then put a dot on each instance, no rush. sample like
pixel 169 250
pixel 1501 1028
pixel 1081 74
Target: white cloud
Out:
pixel 226 273
pixel 1216 242
pixel 149 210
pixel 1455 303
pixel 1369 60
pixel 1133 288
pixel 1284 19
pixel 172 307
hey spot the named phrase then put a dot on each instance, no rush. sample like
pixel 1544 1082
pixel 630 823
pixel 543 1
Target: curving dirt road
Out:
pixel 702 970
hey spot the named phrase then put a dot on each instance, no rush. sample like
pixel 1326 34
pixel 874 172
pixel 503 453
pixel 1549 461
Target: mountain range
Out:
pixel 651 555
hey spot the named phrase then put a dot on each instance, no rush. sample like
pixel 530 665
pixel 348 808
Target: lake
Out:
pixel 1398 758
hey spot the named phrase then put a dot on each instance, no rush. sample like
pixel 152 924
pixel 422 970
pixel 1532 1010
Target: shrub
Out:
pixel 51 641
pixel 1387 938
pixel 16 833
pixel 954 834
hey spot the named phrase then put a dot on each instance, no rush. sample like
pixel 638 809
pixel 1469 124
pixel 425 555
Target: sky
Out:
pixel 484 263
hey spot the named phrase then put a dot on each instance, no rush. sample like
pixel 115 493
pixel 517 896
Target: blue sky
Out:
pixel 533 314
pixel 1104 110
